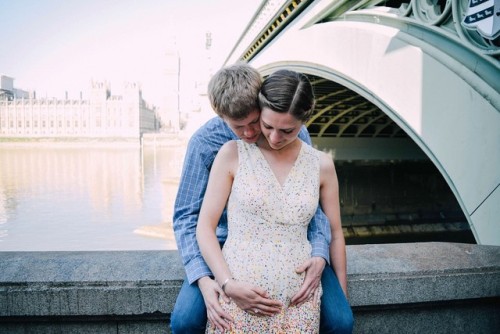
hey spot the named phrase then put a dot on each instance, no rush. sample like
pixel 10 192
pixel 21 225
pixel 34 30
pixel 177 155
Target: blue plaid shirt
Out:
pixel 201 151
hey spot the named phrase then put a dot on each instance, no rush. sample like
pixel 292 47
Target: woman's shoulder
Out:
pixel 327 165
pixel 227 157
pixel 312 151
pixel 229 147
pixel 325 158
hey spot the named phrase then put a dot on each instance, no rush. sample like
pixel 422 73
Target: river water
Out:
pixel 77 197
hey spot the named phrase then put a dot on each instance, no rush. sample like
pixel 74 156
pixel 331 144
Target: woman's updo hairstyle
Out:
pixel 287 91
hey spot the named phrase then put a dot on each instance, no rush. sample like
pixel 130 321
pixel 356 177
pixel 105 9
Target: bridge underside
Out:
pixel 391 87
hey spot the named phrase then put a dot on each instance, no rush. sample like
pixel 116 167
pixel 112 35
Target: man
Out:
pixel 233 93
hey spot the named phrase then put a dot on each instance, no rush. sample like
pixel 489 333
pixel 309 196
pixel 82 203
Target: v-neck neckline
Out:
pixel 268 165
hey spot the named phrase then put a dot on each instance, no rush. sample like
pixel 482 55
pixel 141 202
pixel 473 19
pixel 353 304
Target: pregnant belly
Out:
pixel 270 266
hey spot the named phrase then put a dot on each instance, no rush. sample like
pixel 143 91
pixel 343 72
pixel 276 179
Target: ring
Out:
pixel 256 311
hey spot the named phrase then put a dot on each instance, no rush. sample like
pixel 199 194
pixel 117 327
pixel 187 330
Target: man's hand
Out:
pixel 252 299
pixel 211 292
pixel 309 289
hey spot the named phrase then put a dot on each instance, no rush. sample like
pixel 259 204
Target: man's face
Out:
pixel 248 128
pixel 280 129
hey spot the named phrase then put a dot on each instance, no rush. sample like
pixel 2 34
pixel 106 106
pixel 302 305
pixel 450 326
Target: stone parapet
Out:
pixel 388 274
pixel 393 288
pixel 424 288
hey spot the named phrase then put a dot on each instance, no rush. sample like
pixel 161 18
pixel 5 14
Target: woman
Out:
pixel 271 189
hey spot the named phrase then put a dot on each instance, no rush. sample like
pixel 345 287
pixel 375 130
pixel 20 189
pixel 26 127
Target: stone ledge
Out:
pixel 89 283
pixel 397 283
pixel 387 274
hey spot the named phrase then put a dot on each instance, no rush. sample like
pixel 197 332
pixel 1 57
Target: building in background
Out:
pixel 170 109
pixel 103 115
pixel 7 90
pixel 201 110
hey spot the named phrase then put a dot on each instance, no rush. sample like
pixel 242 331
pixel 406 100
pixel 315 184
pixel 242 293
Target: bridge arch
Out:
pixel 442 93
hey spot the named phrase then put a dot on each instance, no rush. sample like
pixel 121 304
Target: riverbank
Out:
pixel 165 139
pixel 69 142
pixel 148 139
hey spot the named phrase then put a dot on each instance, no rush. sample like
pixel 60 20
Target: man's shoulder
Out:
pixel 214 127
pixel 209 138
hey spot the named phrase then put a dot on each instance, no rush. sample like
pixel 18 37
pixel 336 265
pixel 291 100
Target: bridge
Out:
pixel 396 81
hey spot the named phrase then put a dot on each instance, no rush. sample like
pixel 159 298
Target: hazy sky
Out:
pixel 54 46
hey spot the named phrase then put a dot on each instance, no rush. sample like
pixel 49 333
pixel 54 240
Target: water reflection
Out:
pixel 87 198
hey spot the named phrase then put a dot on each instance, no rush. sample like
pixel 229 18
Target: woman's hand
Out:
pixel 252 299
pixel 211 292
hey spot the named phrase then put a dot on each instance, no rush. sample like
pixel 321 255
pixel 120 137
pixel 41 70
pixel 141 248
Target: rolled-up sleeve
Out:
pixel 200 154
pixel 192 186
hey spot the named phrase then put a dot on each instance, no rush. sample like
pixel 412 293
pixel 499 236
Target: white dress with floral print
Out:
pixel 267 238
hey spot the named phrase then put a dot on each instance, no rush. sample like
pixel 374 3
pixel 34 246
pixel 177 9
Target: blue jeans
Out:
pixel 190 314
pixel 336 314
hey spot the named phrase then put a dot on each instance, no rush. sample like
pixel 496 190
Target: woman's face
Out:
pixel 280 129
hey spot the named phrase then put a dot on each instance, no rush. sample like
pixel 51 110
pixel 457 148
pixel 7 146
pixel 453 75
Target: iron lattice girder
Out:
pixel 341 112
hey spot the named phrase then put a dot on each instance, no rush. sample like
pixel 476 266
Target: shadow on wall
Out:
pixel 406 201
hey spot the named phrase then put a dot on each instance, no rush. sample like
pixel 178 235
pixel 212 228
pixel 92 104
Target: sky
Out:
pixel 59 46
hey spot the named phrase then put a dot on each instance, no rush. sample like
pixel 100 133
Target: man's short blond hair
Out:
pixel 234 91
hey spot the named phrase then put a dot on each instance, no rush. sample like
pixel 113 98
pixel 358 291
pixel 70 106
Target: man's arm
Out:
pixel 192 186
pixel 194 178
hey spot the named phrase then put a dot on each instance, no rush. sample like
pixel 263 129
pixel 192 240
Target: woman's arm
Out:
pixel 329 199
pixel 216 196
pixel 248 297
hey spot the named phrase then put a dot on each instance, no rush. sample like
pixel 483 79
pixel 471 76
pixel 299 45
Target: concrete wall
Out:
pixel 393 288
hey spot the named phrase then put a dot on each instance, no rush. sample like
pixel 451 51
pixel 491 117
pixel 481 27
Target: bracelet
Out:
pixel 223 286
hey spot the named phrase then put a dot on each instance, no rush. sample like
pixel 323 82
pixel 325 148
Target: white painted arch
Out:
pixel 446 108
